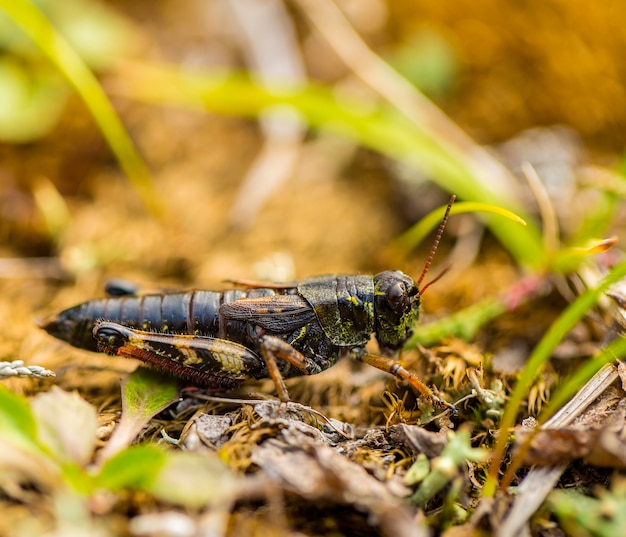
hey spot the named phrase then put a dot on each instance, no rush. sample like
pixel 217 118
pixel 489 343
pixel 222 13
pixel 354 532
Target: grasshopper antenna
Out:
pixel 433 249
pixel 435 279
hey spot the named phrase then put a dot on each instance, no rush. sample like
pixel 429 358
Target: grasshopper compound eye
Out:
pixel 398 297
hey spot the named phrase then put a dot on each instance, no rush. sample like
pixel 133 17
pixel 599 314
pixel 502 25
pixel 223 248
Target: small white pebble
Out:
pixel 163 524
pixel 16 368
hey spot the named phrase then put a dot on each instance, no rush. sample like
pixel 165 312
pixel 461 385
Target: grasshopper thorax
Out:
pixel 396 309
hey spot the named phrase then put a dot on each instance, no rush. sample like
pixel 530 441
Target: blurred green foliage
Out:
pixel 584 516
pixel 427 60
pixel 31 90
pixel 67 33
pixel 53 449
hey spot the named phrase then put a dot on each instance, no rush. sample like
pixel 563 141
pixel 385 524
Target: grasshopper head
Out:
pixel 396 309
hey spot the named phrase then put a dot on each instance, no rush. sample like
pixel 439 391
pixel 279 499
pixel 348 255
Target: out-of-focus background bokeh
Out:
pixel 236 192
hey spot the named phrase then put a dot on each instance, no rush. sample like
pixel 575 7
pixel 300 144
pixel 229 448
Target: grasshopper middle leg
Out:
pixel 396 369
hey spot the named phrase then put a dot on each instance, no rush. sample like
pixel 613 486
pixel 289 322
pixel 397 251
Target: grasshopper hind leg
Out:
pixel 206 361
pixel 213 362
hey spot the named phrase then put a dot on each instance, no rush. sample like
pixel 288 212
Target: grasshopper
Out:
pixel 221 338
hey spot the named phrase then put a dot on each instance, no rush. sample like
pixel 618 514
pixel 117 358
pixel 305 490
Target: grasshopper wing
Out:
pixel 276 313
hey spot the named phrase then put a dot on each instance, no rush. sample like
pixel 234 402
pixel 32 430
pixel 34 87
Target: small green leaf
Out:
pixel 99 33
pixel 134 467
pixel 603 516
pixel 145 393
pixel 195 480
pixel 445 468
pixel 76 478
pixel 17 423
pixel 22 457
pixel 418 470
pixel 428 60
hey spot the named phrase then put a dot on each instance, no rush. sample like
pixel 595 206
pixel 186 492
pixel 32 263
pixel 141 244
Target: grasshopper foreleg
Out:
pixel 396 369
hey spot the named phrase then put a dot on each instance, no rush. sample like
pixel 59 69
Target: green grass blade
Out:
pixel 541 354
pixel 418 232
pixel 615 349
pixel 37 27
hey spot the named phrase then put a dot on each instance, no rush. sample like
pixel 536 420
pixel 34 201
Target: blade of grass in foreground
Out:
pixel 34 24
pixel 615 349
pixel 541 354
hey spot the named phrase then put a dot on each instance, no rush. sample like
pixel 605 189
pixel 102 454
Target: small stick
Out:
pixel 298 406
